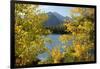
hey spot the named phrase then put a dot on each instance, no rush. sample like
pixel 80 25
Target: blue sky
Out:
pixel 65 11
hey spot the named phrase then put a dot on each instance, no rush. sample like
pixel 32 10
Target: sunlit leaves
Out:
pixel 65 38
pixel 56 55
pixel 81 28
pixel 79 50
pixel 29 42
pixel 31 36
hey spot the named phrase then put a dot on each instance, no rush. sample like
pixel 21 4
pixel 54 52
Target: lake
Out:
pixel 55 42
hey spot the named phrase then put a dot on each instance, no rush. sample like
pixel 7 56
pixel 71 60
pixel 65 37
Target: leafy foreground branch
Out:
pixel 28 30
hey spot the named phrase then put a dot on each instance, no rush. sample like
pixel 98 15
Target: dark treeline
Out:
pixel 58 29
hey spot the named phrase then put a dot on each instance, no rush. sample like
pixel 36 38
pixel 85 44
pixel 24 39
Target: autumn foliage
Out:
pixel 30 36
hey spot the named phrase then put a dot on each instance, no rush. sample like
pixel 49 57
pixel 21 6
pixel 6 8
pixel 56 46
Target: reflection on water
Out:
pixel 55 42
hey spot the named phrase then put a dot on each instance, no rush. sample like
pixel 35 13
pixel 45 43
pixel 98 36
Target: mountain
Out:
pixel 55 18
pixel 55 22
pixel 59 16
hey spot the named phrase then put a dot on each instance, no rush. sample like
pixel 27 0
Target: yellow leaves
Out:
pixel 76 10
pixel 28 30
pixel 88 26
pixel 79 50
pixel 18 61
pixel 64 38
pixel 56 55
pixel 18 28
pixel 82 28
pixel 73 33
pixel 69 26
pixel 90 11
pixel 83 12
pixel 30 43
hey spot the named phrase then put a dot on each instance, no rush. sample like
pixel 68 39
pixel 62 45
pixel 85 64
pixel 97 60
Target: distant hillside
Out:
pixel 55 22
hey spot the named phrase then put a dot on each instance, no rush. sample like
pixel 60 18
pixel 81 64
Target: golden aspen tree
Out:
pixel 29 29
pixel 82 30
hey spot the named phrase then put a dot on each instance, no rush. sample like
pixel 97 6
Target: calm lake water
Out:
pixel 55 42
